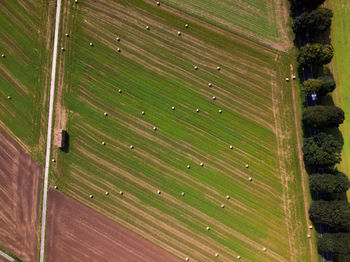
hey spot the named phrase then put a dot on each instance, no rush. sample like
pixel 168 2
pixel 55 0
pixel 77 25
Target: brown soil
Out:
pixel 20 182
pixel 76 233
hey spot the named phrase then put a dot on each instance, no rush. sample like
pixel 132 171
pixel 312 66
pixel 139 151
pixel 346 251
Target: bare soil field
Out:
pixel 76 233
pixel 20 181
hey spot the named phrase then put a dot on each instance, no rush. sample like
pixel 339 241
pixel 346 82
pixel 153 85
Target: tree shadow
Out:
pixel 66 143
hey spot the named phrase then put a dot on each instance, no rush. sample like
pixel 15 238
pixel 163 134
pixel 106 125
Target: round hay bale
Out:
pixel 201 164
pixel 216 254
pixel 143 113
pixel 222 205
pixel 238 257
pixel 231 146
pixel 118 38
pixel 131 147
pixel 310 227
pixel 119 91
pixel 118 50
pixel 173 108
pixel 287 79
pixel 264 249
pixel 158 192
pixel 154 128
pixel 250 179
pixel 158 3
pixel 76 1
pixel 105 114
pixel 186 25
pixel 179 33
pixel 91 44
pixel 107 193
pixel 56 187
pixel 197 110
pixel 246 165
pixel 147 27
pixel 195 67
pixel 91 196
pixel 3 55
pixel 121 193
pixel 308 236
pixel 227 197
pixel 183 193
pixel 210 84
pixel 294 77
pixel 220 111
pixel 62 48
pixel 188 166
pixel 218 68
pixel 67 35
pixel 103 143
pixel 187 259
pixel 207 228
pixel 9 97
pixel 53 160
pixel 214 98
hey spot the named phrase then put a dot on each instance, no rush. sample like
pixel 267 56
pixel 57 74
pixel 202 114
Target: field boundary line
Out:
pixel 49 132
pixel 6 256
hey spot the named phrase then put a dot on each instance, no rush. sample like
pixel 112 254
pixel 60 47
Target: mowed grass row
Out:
pixel 23 72
pixel 340 68
pixel 155 71
pixel 255 19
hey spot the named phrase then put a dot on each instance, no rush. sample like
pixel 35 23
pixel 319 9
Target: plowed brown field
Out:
pixel 76 233
pixel 20 181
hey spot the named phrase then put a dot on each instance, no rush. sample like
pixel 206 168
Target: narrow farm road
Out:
pixel 49 133
pixel 7 257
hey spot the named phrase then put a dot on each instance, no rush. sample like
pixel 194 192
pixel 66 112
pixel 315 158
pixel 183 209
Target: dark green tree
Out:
pixel 315 21
pixel 321 86
pixel 315 54
pixel 322 150
pixel 331 213
pixel 337 243
pixel 323 116
pixel 328 84
pixel 329 183
pixel 311 85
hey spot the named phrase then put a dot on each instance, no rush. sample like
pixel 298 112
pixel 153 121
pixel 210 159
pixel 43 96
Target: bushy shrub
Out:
pixel 323 116
pixel 331 213
pixel 338 243
pixel 329 183
pixel 321 150
pixel 313 22
pixel 315 54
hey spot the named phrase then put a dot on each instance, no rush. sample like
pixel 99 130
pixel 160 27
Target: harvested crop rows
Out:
pixel 25 38
pixel 81 234
pixel 154 71
pixel 20 181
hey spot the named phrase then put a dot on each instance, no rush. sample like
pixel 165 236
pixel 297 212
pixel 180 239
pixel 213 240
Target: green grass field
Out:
pixel 155 71
pixel 341 67
pixel 24 34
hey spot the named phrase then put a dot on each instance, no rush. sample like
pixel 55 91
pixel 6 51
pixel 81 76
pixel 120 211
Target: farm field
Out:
pixel 254 110
pixel 341 68
pixel 76 233
pixel 20 182
pixel 25 42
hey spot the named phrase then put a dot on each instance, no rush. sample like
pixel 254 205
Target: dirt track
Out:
pixel 76 233
pixel 20 182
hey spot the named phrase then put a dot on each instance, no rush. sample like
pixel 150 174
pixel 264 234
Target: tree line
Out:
pixel 322 146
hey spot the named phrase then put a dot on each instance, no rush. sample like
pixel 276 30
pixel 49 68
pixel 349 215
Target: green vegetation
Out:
pixel 341 68
pixel 323 116
pixel 313 22
pixel 315 54
pixel 337 243
pixel 155 71
pixel 11 255
pixel 329 183
pixel 322 150
pixel 24 71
